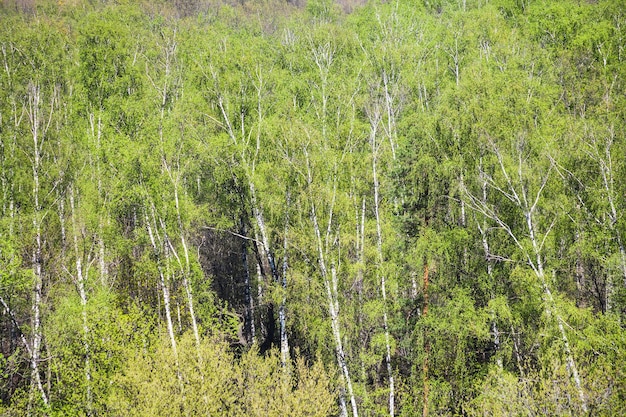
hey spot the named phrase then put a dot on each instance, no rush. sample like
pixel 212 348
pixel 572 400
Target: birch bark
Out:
pixel 374 121
pixel 167 90
pixel 330 285
pixel 488 258
pixel 284 342
pixel 39 124
pixel 164 284
pixel 80 284
pixel 96 135
pixel 249 317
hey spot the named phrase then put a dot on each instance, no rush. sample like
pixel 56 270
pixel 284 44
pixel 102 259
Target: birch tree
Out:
pixel 80 277
pixel 161 249
pixel 375 143
pixel 165 75
pixel 40 108
pixel 242 116
pixel 601 150
pixel 527 196
pixel 33 81
pixel 324 166
pixel 331 284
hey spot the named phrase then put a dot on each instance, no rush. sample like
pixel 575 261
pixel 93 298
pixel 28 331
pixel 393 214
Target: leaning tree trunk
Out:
pixel 152 233
pixel 330 285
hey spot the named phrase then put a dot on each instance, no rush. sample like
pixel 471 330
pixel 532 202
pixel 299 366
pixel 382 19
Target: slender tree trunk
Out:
pixel 485 243
pixel 426 393
pixel 96 134
pixel 265 251
pixel 37 262
pixel 260 279
pixel 360 250
pixel 38 130
pixel 168 310
pixel 61 213
pixel 333 304
pixel 284 342
pixel 606 170
pixel 186 268
pixel 375 119
pixel 248 158
pixel 166 91
pixel 391 114
pixel 551 308
pixel 189 291
pixel 161 246
pixel 163 282
pixel 80 284
pixel 382 280
pixel 17 326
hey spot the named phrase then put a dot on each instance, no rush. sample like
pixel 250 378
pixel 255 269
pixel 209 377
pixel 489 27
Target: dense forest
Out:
pixel 313 208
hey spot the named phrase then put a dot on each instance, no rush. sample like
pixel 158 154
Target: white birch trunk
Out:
pixel 266 254
pixel 571 364
pixel 284 342
pixel 260 223
pixel 333 304
pixel 186 269
pixel 168 310
pixel 163 283
pixel 165 91
pixel 375 119
pixel 96 133
pixel 485 243
pixel 606 169
pixel 38 130
pixel 382 280
pixel 17 326
pixel 259 278
pixel 391 115
pixel 334 314
pixel 80 284
pixel 249 162
pixel 360 250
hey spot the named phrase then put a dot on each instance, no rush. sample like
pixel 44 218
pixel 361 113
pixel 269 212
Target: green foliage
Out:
pixel 209 379
pixel 171 135
pixel 111 335
pixel 548 390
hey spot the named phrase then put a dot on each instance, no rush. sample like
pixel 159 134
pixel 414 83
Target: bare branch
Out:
pixel 258 242
pixel 16 324
pixel 543 185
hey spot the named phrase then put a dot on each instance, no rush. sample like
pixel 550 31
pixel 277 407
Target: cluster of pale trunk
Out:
pixel 322 56
pixel 171 247
pixel 516 189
